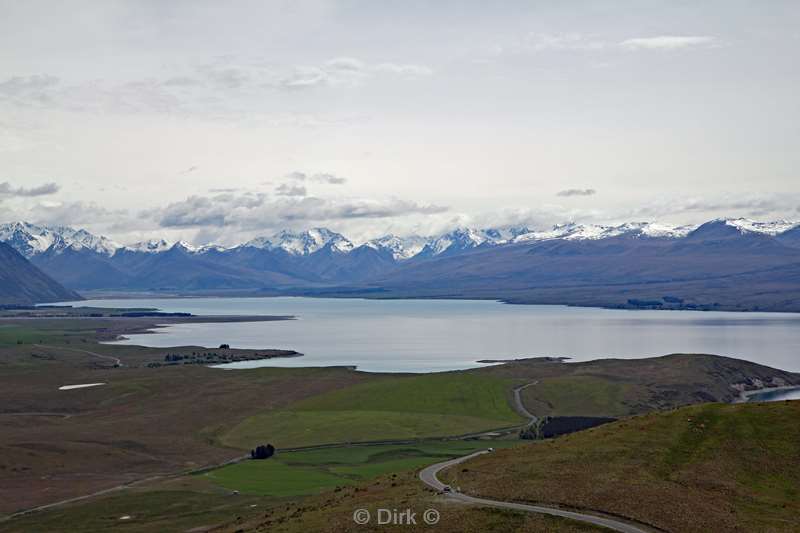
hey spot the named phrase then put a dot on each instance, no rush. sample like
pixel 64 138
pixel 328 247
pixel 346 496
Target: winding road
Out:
pixel 428 476
pixel 520 407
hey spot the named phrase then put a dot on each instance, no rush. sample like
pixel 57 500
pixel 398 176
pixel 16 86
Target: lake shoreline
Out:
pixel 254 294
pixel 744 396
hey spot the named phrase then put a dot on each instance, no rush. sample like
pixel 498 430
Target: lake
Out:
pixel 434 335
pixel 790 393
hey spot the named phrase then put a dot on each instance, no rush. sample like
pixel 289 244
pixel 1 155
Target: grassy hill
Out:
pixel 711 467
pixel 623 387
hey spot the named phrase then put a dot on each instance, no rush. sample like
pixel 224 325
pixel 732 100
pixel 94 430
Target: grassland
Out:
pixel 187 505
pixel 148 422
pixel 702 468
pixel 623 387
pixel 579 396
pixel 313 471
pixel 430 405
pixel 148 511
pixel 144 422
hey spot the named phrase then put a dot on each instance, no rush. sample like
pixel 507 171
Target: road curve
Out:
pixel 520 407
pixel 428 476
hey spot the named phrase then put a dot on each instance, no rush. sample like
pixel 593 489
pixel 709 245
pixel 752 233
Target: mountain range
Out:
pixel 721 264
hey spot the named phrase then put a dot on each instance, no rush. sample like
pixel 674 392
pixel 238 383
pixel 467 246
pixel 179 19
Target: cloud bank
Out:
pixel 260 211
pixel 7 190
pixel 576 192
pixel 668 42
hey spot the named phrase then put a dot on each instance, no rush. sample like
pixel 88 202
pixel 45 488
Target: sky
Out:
pixel 220 121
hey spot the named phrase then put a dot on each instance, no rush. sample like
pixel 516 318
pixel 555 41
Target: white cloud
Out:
pixel 576 192
pixel 756 204
pixel 286 189
pixel 668 42
pixel 259 211
pixel 562 41
pixel 205 89
pixel 347 71
pixel 409 70
pixel 6 189
pixel 27 85
pixel 320 177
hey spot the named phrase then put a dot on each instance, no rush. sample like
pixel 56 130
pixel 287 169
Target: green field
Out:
pixel 429 405
pixel 11 334
pixel 313 471
pixel 579 396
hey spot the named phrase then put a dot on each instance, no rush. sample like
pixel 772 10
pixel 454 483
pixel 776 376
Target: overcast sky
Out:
pixel 218 121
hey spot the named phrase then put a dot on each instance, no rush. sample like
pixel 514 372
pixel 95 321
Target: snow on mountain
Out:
pixel 32 239
pixel 27 239
pixel 401 248
pixel 210 248
pixel 578 232
pixel 185 246
pixel 303 243
pixel 99 244
pixel 746 225
pixel 262 243
pixel 505 234
pixel 651 229
pixel 458 239
pixel 152 246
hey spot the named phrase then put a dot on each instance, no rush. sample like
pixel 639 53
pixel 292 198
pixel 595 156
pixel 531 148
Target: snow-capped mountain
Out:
pixel 401 248
pixel 303 243
pixel 151 246
pixel 32 239
pixel 462 239
pixel 507 259
pixel 456 241
pixel 184 247
pixel 506 234
pixel 577 232
pixel 745 225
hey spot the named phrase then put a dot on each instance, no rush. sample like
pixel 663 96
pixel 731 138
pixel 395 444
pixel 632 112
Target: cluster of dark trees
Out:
pixel 670 302
pixel 204 358
pixel 553 426
pixel 171 357
pixel 177 359
pixel 262 452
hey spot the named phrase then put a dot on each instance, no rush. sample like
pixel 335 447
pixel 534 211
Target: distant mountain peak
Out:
pixel 150 246
pixel 572 231
pixel 303 242
pixel 33 239
pixel 184 246
pixel 401 248
pixel 746 225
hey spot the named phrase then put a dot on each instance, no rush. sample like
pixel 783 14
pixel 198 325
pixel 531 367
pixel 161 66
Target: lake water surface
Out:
pixel 433 335
pixel 776 395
